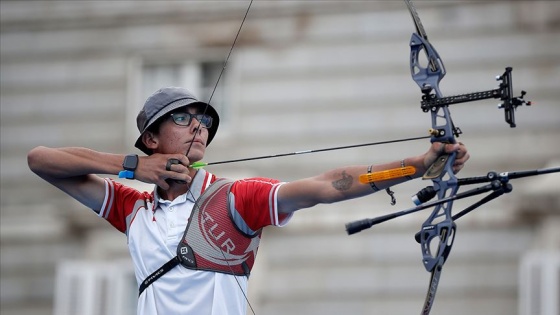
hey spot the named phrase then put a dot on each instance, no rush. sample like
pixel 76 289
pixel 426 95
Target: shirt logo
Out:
pixel 213 245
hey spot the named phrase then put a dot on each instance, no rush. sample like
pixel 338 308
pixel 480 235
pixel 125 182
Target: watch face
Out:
pixel 130 162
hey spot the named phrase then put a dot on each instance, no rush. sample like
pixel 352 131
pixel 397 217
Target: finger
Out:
pixel 462 156
pixel 163 184
pixel 182 159
pixel 439 148
pixel 451 147
pixel 460 163
pixel 462 147
pixel 458 168
pixel 170 163
pixel 178 172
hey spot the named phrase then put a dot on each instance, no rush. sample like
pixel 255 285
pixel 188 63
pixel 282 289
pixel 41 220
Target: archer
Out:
pixel 176 233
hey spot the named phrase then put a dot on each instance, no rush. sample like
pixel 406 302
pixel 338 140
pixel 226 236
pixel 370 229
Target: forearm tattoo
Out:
pixel 344 183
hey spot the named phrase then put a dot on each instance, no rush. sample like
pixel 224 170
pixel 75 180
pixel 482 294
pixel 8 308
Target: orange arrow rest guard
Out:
pixel 387 174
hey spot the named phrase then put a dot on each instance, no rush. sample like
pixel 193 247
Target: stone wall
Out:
pixel 303 75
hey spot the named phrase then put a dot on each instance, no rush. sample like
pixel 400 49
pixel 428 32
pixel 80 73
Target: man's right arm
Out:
pixel 72 171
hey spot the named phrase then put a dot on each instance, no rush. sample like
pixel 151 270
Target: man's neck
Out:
pixel 176 188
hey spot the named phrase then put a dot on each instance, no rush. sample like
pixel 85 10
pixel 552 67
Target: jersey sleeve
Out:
pixel 255 200
pixel 121 203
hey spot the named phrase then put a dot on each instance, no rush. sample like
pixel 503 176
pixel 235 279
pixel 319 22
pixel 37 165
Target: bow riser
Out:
pixel 439 226
pixel 430 76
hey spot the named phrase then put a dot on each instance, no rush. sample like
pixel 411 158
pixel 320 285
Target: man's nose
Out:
pixel 196 126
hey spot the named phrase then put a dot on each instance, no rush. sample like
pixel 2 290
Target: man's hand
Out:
pixel 439 148
pixel 156 169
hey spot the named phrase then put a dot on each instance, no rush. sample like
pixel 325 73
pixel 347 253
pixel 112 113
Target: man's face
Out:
pixel 184 130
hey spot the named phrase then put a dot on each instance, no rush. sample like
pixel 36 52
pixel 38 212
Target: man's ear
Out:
pixel 150 140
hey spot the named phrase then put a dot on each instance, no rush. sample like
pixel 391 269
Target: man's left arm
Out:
pixel 342 183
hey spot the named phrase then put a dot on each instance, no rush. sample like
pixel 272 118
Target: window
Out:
pixel 95 288
pixel 539 286
pixel 198 77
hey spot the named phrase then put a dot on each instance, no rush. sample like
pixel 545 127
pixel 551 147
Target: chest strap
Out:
pixel 158 273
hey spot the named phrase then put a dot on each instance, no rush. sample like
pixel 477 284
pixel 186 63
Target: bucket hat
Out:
pixel 166 100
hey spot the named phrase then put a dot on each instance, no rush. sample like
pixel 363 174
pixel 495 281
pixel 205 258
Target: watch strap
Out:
pixel 129 165
pixel 126 174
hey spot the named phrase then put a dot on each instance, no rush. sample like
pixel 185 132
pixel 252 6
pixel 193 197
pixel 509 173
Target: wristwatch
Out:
pixel 129 164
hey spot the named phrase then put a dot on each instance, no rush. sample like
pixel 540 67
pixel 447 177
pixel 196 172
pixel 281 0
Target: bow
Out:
pixel 439 228
pixel 441 172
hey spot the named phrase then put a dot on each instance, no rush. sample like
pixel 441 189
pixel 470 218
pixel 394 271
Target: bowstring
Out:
pixel 194 136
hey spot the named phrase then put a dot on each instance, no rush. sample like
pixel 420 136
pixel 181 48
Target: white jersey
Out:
pixel 154 228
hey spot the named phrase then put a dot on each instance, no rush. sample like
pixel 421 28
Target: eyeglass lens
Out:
pixel 184 119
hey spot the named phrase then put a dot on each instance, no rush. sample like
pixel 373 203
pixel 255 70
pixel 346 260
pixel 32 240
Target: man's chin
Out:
pixel 196 154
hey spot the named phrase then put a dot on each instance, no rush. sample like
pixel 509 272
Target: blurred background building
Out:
pixel 303 75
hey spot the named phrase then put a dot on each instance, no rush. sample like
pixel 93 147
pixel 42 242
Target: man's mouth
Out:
pixel 199 141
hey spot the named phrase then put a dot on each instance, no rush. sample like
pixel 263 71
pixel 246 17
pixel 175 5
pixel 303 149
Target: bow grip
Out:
pixel 435 170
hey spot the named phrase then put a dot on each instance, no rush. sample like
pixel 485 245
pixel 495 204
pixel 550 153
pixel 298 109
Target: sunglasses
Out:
pixel 185 119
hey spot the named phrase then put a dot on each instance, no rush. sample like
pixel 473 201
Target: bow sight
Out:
pixel 504 92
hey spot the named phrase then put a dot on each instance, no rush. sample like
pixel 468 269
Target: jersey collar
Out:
pixel 196 189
